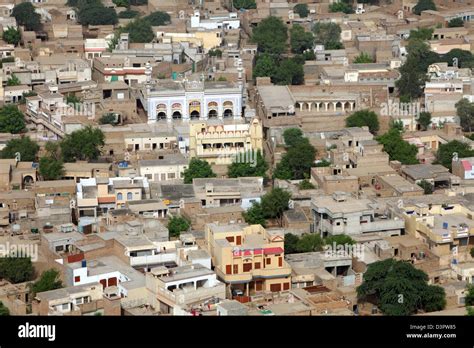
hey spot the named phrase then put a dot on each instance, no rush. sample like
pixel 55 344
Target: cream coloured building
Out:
pixel 221 143
pixel 192 100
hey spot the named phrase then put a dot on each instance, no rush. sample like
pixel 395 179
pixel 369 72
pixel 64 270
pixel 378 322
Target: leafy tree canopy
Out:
pixel 26 16
pixel 424 120
pixel 255 166
pixel 397 148
pixel 302 10
pixel 11 119
pixel 245 4
pixel 363 58
pixel 456 22
pixel 197 169
pixel 49 280
pixel 83 144
pixel 465 112
pixel 300 40
pixel 176 225
pixel 363 118
pixel 328 34
pixel 271 35
pixel 16 269
pixel 12 36
pixel 25 146
pixel 341 6
pixel 444 155
pixel 398 288
pixel 158 18
pixel 424 5
pixel 4 311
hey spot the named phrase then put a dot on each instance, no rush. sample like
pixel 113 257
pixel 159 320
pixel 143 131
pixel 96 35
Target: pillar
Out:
pixel 326 106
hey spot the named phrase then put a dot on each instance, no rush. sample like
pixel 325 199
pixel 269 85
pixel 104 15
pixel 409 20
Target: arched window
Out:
pixel 129 196
pixel 119 196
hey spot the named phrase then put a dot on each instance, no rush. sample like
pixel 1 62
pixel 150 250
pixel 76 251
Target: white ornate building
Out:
pixel 192 100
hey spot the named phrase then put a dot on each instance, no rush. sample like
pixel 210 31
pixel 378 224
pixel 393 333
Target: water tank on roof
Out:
pixel 84 263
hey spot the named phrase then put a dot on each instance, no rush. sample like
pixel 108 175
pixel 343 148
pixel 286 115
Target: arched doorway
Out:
pixel 212 107
pixel 28 181
pixel 195 115
pixel 212 114
pixel 176 115
pixel 228 113
pixel 228 109
pixel 161 116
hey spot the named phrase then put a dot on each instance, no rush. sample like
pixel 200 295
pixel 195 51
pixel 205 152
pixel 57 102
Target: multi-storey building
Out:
pixel 193 100
pixel 249 258
pixel 221 143
pixel 343 214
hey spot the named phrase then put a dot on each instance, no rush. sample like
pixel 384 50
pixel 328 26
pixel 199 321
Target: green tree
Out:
pixel 397 148
pixel 73 101
pixel 26 16
pixel 328 34
pixel 363 118
pixel 255 166
pixel 424 5
pixel 444 155
pixel 244 4
pixel 4 311
pixel 16 269
pixel 265 66
pixel 341 6
pixel 423 34
pixel 363 58
pixel 472 252
pixel 289 72
pixel 108 118
pixel 50 168
pixel 290 243
pixel 339 239
pixel 293 136
pixel 322 163
pixel 413 72
pixel 215 52
pixel 275 202
pixel 128 14
pixel 296 162
pixel 83 144
pixel 12 36
pixel 121 3
pixel 465 112
pixel 158 18
pixel 456 22
pixel 255 215
pixel 25 146
pixel 309 242
pixel 302 10
pixel 433 298
pixel 305 184
pixel 95 13
pixel 386 282
pixel 176 225
pixel 300 40
pixel 424 120
pixel 11 119
pixel 49 280
pixel 13 81
pixel 139 31
pixel 426 186
pixel 271 35
pixel 197 169
pixel 470 296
